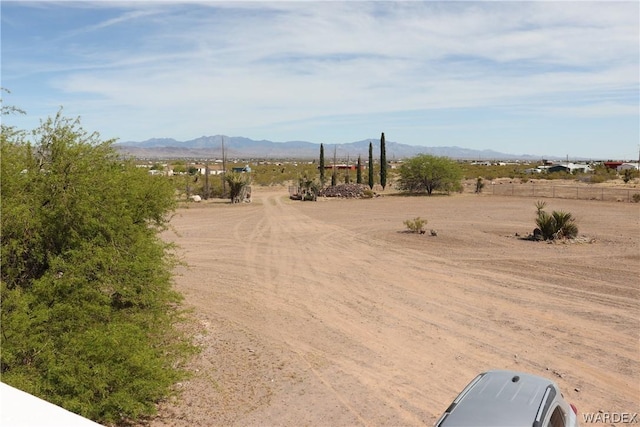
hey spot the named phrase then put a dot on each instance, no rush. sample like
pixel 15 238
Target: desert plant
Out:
pixel 557 225
pixel 238 183
pixel 636 197
pixel 310 189
pixel 597 179
pixel 368 193
pixel 629 174
pixel 416 225
pixel 565 224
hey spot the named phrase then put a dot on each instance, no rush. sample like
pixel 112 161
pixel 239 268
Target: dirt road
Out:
pixel 329 314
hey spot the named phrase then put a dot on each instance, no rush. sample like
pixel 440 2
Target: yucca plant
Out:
pixel 556 225
pixel 310 188
pixel 546 225
pixel 237 185
pixel 565 224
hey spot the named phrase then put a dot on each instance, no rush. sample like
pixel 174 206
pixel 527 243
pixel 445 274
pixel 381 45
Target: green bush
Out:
pixel 556 225
pixel 416 225
pixel 597 179
pixel 89 317
pixel 629 174
pixel 427 173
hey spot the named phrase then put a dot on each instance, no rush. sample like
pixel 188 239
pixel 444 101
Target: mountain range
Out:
pixel 237 147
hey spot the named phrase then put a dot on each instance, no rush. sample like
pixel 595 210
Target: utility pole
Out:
pixel 333 173
pixel 206 180
pixel 224 170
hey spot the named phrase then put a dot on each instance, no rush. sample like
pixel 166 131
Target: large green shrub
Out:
pixel 427 173
pixel 89 316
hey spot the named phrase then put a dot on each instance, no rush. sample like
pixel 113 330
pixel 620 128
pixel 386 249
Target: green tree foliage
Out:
pixel 359 171
pixel 89 317
pixel 427 173
pixel 370 166
pixel 321 166
pixel 383 162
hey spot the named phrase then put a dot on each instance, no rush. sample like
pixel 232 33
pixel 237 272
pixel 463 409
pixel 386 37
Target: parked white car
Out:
pixel 509 399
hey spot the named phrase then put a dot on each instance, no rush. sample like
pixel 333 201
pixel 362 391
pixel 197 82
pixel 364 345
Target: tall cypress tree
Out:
pixel 322 179
pixel 371 165
pixel 359 171
pixel 383 162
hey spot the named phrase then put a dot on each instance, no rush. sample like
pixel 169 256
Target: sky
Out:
pixel 555 78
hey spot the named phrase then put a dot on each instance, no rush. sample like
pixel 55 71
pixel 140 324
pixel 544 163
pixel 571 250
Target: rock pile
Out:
pixel 352 191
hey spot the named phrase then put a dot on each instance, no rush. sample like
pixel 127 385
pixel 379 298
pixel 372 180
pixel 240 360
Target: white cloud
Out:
pixel 244 64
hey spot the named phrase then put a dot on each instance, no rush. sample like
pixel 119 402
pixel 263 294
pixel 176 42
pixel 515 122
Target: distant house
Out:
pixel 340 167
pixel 612 165
pixel 535 170
pixel 214 169
pixel 569 168
pixel 631 166
pixel 245 169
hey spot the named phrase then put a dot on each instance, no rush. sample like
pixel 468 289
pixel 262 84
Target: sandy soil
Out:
pixel 330 314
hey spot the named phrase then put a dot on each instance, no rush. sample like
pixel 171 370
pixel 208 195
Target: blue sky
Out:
pixel 552 78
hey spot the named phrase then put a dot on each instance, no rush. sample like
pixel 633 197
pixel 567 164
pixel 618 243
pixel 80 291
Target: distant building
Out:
pixel 214 169
pixel 245 169
pixel 625 166
pixel 569 168
pixel 340 167
pixel 612 165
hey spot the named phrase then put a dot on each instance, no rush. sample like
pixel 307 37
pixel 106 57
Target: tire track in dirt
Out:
pixel 349 327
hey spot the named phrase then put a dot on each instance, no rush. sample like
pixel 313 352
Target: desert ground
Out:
pixel 329 313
